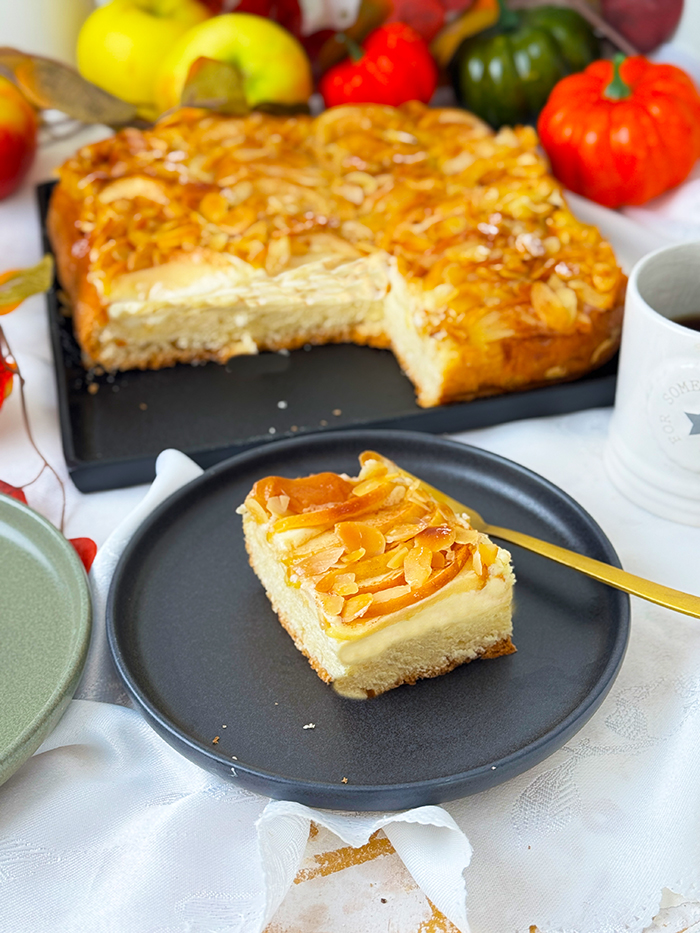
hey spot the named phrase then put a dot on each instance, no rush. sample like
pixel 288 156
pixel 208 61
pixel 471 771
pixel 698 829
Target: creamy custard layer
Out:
pixel 200 305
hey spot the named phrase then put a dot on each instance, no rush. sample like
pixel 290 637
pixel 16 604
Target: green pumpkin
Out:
pixel 505 74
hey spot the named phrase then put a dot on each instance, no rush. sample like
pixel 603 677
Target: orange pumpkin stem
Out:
pixel 617 89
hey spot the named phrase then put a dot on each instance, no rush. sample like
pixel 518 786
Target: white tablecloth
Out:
pixel 108 829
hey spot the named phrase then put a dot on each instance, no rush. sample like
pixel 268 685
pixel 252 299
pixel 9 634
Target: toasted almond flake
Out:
pixel 344 584
pixel 372 469
pixel 476 562
pixel 488 550
pixel 357 606
pixel 416 566
pixel 256 510
pixel 134 186
pixel 278 253
pixel 397 494
pixel 436 537
pixel 352 193
pixel 405 532
pixel 394 592
pixel 397 558
pixel 278 505
pixel 331 603
pixel 367 486
pixel 466 535
pixel 319 563
pixel 357 535
pixel 438 561
pixel 315 541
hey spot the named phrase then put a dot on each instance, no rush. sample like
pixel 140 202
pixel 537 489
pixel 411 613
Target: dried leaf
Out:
pixel 51 85
pixel 215 85
pixel 19 284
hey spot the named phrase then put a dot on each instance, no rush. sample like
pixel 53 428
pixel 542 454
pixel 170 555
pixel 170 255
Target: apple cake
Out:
pixel 414 228
pixel 378 583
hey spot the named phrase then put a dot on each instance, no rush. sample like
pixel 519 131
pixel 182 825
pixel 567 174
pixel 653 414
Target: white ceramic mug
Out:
pixel 653 449
pixel 44 27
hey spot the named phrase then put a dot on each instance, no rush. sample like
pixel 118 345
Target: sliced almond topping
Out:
pixel 488 550
pixel 357 606
pixel 315 543
pixel 476 562
pixel 397 557
pixel 438 561
pixel 437 537
pixel 354 556
pixel 133 186
pixel 397 494
pixel 405 532
pixel 278 505
pixel 368 485
pixel 466 535
pixel 213 207
pixel 416 566
pixel 392 593
pixel 321 562
pixel 256 510
pixel 344 584
pixel 331 604
pixel 372 468
pixel 356 535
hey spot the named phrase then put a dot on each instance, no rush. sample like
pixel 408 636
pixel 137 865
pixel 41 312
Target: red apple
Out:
pixel 644 23
pixel 18 125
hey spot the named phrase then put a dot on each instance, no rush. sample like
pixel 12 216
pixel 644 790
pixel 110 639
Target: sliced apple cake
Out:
pixel 418 229
pixel 378 582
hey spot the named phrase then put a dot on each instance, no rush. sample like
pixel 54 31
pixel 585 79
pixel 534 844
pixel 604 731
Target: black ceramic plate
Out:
pixel 114 426
pixel 203 654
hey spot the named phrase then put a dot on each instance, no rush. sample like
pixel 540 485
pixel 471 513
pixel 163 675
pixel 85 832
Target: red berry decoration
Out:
pixel 7 490
pixel 86 549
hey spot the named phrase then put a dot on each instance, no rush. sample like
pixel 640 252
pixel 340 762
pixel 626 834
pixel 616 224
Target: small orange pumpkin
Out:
pixel 622 131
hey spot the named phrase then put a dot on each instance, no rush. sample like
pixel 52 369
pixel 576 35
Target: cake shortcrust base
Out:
pixel 403 651
pixel 353 686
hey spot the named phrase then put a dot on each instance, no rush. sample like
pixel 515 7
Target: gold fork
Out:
pixel 613 576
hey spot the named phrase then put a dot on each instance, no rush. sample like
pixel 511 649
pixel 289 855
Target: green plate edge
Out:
pixel 27 741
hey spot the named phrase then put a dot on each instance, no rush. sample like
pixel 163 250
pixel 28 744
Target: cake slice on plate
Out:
pixel 377 581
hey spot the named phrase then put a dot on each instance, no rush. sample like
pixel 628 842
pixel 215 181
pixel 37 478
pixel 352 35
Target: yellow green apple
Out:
pixel 122 44
pixel 273 65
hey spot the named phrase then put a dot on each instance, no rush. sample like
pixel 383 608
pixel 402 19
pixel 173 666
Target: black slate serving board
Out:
pixel 114 426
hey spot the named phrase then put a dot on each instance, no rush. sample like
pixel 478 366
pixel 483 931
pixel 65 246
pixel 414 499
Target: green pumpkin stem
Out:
pixel 507 18
pixel 617 89
pixel 355 51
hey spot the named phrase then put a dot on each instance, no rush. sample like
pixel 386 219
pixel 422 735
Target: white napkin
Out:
pixel 100 809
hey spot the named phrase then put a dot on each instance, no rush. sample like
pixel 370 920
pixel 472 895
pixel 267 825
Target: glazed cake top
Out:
pixel 473 219
pixel 370 545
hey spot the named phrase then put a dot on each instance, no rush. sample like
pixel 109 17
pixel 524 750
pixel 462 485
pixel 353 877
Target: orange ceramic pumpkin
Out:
pixel 622 131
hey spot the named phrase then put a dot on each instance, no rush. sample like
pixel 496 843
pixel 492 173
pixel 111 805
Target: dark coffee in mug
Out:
pixel 692 321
